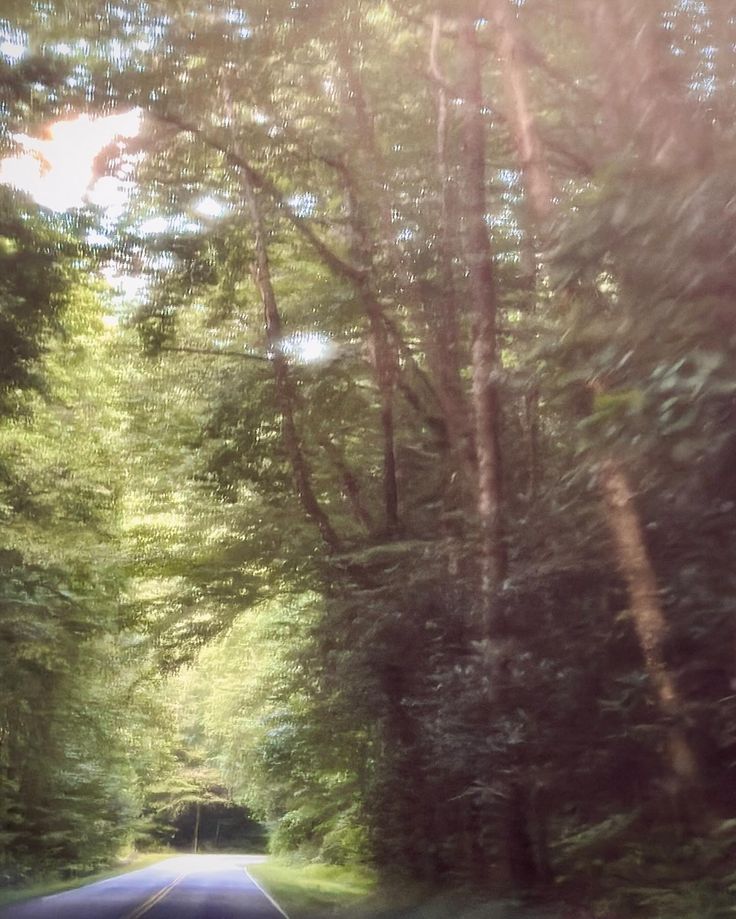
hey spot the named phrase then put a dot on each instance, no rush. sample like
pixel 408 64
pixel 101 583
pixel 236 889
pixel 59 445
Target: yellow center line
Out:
pixel 154 899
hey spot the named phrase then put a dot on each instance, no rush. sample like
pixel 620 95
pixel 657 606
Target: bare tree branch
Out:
pixel 217 352
pixel 338 264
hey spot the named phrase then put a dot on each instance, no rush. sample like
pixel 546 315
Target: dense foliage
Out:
pixel 426 468
pixel 72 763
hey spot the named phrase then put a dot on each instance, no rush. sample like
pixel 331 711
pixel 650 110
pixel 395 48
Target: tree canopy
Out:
pixel 412 469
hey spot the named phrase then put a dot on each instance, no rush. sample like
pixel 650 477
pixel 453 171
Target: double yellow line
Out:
pixel 154 899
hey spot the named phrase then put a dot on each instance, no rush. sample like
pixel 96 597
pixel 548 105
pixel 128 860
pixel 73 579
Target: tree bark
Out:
pixel 284 387
pixel 446 350
pixel 197 818
pixel 349 484
pixel 536 181
pixel 622 518
pixel 519 843
pixel 483 303
pixel 384 362
pixel 510 51
pixel 531 426
pixel 649 621
pixel 365 161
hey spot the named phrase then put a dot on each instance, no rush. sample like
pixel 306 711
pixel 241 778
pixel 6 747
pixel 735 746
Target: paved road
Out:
pixel 187 887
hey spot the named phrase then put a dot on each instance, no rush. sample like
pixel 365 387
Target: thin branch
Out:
pixel 259 180
pixel 536 57
pixel 576 159
pixel 217 352
pixel 435 70
pixel 407 352
pixel 349 483
pixel 421 21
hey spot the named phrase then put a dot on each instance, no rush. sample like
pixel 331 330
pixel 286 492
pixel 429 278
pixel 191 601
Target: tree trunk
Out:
pixel 284 388
pixel 531 429
pixel 519 844
pixel 485 401
pixel 649 622
pixel 536 182
pixel 538 818
pixel 365 161
pixel 446 348
pixel 510 51
pixel 384 362
pixel 197 818
pixel 623 520
pixel 483 303
pixel 349 484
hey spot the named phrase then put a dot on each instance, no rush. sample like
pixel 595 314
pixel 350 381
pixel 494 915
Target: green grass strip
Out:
pixel 314 889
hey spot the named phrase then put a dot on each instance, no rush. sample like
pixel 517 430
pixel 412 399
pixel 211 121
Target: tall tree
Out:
pixel 483 298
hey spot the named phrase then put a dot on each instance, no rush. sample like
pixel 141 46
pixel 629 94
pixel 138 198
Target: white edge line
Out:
pixel 265 893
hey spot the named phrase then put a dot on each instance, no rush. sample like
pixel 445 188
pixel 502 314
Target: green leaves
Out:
pixel 150 515
pixel 69 770
pixel 35 277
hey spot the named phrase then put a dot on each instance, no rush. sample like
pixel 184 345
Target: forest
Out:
pixel 393 504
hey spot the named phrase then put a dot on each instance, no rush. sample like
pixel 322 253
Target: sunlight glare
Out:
pixel 111 195
pixel 130 288
pixel 210 206
pixel 12 50
pixel 57 170
pixel 309 348
pixel 154 226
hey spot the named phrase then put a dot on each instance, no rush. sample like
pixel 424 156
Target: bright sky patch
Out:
pixel 57 170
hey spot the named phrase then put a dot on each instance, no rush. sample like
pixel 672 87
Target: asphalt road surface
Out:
pixel 187 887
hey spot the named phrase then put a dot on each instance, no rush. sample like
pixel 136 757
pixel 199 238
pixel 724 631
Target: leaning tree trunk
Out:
pixel 649 621
pixel 529 151
pixel 624 522
pixel 349 484
pixel 282 378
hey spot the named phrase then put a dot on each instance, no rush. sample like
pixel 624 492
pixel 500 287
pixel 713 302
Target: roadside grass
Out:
pixel 316 891
pixel 45 885
pixel 307 891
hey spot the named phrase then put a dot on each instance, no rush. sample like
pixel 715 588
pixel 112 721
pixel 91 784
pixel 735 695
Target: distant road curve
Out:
pixel 186 887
